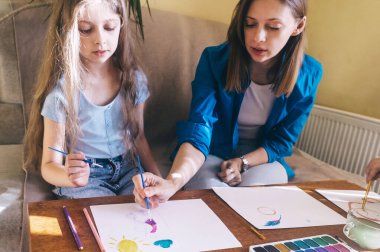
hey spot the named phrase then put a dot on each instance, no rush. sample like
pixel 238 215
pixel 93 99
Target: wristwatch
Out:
pixel 244 164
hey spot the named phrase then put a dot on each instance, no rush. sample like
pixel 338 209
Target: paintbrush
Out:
pixel 88 161
pixel 146 198
pixel 366 194
pixel 262 237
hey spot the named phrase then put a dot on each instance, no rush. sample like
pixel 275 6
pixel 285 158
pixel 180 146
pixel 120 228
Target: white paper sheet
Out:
pixel 278 207
pixel 348 199
pixel 190 224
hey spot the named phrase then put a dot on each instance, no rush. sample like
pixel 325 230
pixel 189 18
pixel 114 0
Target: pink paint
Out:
pixel 341 248
pixel 331 249
pixel 153 224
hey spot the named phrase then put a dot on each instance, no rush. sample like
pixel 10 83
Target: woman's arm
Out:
pixel 159 190
pixel 74 173
pixel 194 137
pixel 142 145
pixel 186 163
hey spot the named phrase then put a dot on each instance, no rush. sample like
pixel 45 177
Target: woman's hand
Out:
pixel 230 171
pixel 77 170
pixel 373 169
pixel 157 189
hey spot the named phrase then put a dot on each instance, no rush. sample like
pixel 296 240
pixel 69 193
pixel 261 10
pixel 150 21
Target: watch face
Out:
pixel 245 165
pixel 245 162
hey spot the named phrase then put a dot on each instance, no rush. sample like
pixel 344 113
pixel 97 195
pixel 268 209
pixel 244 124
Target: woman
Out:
pixel 251 98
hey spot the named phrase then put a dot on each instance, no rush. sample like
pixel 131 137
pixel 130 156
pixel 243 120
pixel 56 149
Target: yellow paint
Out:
pixel 41 225
pixel 342 34
pixel 127 246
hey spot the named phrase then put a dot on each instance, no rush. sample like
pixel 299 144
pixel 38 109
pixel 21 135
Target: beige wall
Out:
pixel 217 10
pixel 343 34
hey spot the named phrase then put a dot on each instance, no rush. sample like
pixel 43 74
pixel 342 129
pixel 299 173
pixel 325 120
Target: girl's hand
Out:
pixel 373 170
pixel 77 170
pixel 157 189
pixel 230 171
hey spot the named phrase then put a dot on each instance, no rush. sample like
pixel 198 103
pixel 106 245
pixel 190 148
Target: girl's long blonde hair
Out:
pixel 285 71
pixel 61 59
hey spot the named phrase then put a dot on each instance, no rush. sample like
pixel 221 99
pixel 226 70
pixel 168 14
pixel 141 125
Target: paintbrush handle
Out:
pixel 88 161
pixel 262 237
pixel 62 152
pixel 366 194
pixel 143 184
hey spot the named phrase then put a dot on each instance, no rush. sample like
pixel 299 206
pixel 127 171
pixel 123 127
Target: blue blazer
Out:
pixel 212 126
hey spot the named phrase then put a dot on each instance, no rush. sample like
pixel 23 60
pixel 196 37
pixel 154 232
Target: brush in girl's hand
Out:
pixel 88 161
pixel 146 198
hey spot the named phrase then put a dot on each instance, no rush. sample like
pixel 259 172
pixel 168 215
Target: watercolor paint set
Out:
pixel 320 243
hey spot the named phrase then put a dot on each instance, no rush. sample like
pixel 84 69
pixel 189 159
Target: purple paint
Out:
pixel 152 223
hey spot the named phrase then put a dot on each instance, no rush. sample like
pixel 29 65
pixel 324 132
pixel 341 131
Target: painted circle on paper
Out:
pixel 266 211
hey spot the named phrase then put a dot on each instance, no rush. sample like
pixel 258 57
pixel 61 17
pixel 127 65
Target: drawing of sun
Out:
pixel 128 245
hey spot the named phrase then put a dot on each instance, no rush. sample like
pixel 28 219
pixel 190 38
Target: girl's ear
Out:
pixel 300 26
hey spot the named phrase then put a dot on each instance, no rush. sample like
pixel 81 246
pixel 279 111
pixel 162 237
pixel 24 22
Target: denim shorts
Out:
pixel 115 178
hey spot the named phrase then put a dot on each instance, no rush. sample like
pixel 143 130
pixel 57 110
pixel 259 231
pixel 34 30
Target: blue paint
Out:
pixel 273 222
pixel 163 243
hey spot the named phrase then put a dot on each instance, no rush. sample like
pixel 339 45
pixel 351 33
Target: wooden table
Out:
pixel 49 230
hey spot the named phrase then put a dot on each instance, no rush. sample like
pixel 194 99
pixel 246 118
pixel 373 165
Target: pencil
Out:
pixel 366 194
pixel 93 229
pixel 88 161
pixel 72 227
pixel 262 237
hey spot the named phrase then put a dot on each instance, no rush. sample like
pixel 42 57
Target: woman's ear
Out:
pixel 300 26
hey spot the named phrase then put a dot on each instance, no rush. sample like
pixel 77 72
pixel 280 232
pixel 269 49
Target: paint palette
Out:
pixel 320 243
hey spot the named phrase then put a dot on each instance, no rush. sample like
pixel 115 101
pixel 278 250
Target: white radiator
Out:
pixel 345 140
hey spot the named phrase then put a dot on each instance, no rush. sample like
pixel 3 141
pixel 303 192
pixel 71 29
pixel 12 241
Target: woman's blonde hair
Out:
pixel 285 71
pixel 61 59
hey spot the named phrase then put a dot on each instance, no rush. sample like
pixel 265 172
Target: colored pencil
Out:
pixel 88 161
pixel 262 237
pixel 93 229
pixel 366 194
pixel 72 227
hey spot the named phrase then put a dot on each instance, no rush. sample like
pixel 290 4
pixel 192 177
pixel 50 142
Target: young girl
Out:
pixel 91 95
pixel 251 98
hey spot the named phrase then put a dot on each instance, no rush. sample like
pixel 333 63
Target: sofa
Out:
pixel 169 55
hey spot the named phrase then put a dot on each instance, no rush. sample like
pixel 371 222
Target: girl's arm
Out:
pixel 142 145
pixel 373 170
pixel 74 173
